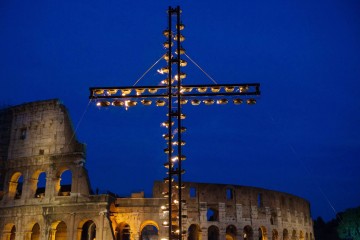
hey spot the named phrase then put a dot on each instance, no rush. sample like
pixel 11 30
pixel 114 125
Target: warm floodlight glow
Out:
pixel 201 89
pixel 166 32
pixel 163 70
pixel 186 89
pixel 229 89
pixel 183 63
pixel 146 102
pixel 166 136
pixel 195 102
pixel 238 101
pixel 167 150
pixel 251 101
pixel 222 101
pixel 118 103
pixel 182 76
pixel 182 51
pixel 167 179
pixel 152 90
pixel 139 91
pixel 160 103
pixel 209 101
pixel 99 91
pixel 165 81
pixel 215 89
pixel 182 38
pixel 183 101
pixel 103 104
pixel 180 26
pixel 167 44
pixel 183 129
pixel 125 92
pixel 131 103
pixel 166 124
pixel 111 91
pixel 177 143
pixel 243 88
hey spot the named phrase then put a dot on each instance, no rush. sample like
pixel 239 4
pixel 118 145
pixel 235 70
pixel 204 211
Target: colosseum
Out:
pixel 38 146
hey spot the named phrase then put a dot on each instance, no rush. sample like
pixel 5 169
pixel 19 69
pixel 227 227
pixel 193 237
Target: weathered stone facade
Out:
pixel 38 146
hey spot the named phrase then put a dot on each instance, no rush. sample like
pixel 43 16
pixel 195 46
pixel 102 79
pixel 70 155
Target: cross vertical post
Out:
pixel 173 94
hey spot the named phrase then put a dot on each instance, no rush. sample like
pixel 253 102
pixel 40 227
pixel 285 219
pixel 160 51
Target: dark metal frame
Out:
pixel 173 94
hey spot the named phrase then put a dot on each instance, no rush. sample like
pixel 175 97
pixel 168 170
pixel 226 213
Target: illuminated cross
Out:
pixel 174 94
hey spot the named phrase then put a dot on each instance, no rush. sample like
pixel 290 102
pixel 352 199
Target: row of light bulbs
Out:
pixel 139 91
pixel 161 103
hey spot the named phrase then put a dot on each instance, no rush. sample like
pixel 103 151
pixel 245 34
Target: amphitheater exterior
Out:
pixel 38 146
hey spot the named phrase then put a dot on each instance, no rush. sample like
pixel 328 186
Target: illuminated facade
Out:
pixel 38 146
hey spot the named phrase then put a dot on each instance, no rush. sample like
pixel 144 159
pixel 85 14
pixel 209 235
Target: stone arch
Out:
pixel 212 214
pixel 37 184
pixel 311 236
pixel 64 182
pixel 213 233
pixel 122 231
pixel 306 236
pixel 263 233
pixel 149 230
pixel 274 235
pixel 15 186
pixel 87 230
pixel 231 232
pixel 35 232
pixel 9 232
pixel 58 231
pixel 293 235
pixel 248 233
pixel 13 233
pixel 194 232
pixel 301 235
pixel 285 234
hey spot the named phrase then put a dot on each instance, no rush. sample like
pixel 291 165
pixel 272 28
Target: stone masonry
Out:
pixel 38 147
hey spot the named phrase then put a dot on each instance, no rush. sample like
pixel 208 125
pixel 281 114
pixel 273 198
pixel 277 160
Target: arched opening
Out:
pixel 248 233
pixel 15 186
pixel 293 235
pixel 262 233
pixel 19 187
pixel 306 236
pixel 41 184
pixel 60 231
pixel 122 232
pixel 65 183
pixel 311 236
pixel 285 234
pixel 13 233
pixel 301 236
pixel 275 235
pixel 194 232
pixel 35 232
pixel 231 232
pixel 88 231
pixel 149 232
pixel 212 214
pixel 117 233
pixel 213 233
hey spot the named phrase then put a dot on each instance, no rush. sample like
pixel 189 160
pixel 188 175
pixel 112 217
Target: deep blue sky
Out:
pixel 303 136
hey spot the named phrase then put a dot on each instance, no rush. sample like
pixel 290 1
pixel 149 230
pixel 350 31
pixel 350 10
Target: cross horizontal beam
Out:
pixel 141 92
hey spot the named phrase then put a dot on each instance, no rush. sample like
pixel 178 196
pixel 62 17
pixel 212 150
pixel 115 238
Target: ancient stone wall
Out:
pixel 39 147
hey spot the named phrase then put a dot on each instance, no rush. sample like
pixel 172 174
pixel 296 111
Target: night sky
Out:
pixel 302 137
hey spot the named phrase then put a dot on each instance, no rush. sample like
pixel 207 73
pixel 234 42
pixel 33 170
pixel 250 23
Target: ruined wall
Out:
pixel 40 147
pixel 38 144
